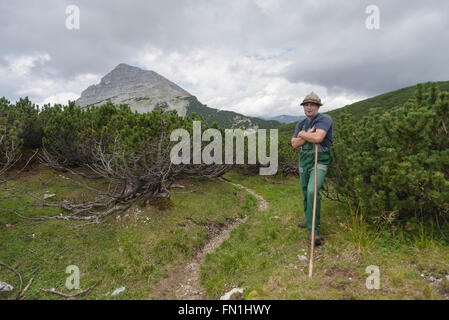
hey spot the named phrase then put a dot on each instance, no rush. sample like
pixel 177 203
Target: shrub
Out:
pixel 396 160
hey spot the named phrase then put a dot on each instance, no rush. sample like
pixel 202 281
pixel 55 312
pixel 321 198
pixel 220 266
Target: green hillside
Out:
pixel 227 119
pixel 383 101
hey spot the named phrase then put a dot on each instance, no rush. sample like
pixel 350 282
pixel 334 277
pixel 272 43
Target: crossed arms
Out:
pixel 313 136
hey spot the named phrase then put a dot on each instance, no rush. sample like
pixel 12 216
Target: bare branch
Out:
pixel 66 295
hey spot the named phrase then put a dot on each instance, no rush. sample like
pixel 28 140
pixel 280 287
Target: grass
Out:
pixel 261 256
pixel 133 249
pixel 146 244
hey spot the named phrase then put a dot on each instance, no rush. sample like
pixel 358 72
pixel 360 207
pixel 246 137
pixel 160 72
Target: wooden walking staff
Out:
pixel 312 244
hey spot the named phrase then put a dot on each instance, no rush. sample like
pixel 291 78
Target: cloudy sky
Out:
pixel 256 57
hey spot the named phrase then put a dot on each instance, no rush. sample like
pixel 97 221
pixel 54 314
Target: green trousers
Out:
pixel 307 179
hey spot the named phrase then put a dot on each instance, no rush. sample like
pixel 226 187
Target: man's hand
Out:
pixel 298 141
pixel 312 135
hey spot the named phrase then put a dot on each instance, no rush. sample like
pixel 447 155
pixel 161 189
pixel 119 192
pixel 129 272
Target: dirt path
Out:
pixel 184 283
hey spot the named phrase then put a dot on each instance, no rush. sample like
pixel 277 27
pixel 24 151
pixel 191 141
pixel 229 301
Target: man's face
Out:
pixel 310 109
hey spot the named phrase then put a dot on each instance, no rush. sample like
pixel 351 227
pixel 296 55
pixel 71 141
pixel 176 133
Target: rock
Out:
pixel 120 249
pixel 117 291
pixel 5 287
pixel 48 195
pixel 447 277
pixel 234 294
pixel 142 90
pixel 302 257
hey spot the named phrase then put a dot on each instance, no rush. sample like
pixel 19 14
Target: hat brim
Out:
pixel 318 104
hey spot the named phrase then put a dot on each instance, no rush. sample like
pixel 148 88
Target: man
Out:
pixel 316 128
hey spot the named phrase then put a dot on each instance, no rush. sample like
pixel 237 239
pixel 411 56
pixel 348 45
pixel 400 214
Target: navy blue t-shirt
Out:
pixel 321 121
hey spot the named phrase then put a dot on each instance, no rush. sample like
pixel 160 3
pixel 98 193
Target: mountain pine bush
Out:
pixel 396 160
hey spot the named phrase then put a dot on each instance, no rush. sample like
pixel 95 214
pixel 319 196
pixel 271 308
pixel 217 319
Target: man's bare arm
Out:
pixel 315 136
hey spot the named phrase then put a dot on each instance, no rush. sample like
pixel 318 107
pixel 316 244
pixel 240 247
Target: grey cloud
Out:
pixel 330 44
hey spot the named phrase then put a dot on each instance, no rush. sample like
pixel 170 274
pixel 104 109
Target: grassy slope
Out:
pixel 261 255
pixel 135 251
pixel 386 100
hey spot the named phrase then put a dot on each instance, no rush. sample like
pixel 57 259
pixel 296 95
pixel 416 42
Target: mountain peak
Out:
pixel 123 66
pixel 130 73
pixel 142 90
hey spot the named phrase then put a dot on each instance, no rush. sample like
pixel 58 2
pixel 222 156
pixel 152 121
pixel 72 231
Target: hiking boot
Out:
pixel 302 224
pixel 318 240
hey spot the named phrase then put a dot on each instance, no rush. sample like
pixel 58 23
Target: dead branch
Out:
pixel 133 172
pixel 10 152
pixel 13 270
pixel 225 179
pixel 21 293
pixel 21 296
pixel 18 172
pixel 66 295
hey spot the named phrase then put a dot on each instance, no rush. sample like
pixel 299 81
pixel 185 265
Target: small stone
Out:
pixel 234 294
pixel 120 249
pixel 48 195
pixel 350 279
pixel 117 291
pixel 302 257
pixel 5 287
pixel 447 277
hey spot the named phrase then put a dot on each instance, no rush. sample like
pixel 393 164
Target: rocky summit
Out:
pixel 145 91
pixel 142 90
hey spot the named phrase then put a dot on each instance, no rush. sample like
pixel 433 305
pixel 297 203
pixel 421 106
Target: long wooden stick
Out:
pixel 312 244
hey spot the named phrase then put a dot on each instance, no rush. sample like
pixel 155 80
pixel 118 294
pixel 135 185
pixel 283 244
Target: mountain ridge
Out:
pixel 146 90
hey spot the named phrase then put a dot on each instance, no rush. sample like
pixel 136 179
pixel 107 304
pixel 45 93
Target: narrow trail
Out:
pixel 184 283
